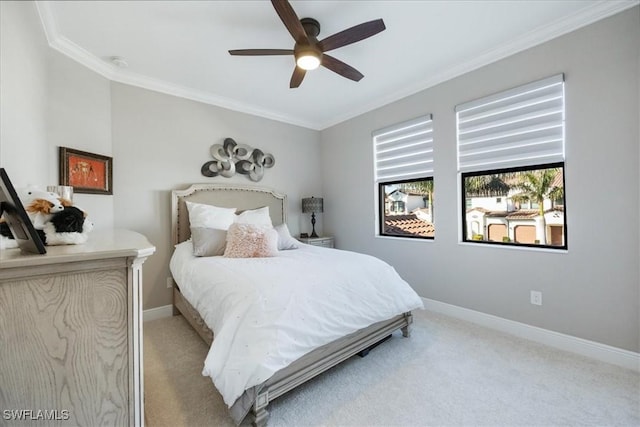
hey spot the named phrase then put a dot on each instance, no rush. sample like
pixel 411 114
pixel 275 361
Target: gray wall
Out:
pixel 160 143
pixel 47 101
pixel 591 291
pixel 23 90
pixel 79 117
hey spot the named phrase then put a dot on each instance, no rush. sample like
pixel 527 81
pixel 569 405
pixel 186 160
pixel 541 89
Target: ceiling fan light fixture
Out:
pixel 308 51
pixel 308 59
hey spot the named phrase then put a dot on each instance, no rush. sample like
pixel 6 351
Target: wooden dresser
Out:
pixel 71 333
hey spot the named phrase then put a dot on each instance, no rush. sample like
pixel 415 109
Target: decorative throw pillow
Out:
pixel 251 241
pixel 258 216
pixel 209 226
pixel 285 241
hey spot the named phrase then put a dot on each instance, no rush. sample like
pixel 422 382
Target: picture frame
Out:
pixel 86 172
pixel 17 219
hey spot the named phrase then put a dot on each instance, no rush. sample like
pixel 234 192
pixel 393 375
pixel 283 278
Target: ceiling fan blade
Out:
pixel 256 52
pixel 341 68
pixel 290 20
pixel 352 35
pixel 296 78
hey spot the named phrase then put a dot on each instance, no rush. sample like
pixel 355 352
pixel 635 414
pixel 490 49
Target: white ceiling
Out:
pixel 180 47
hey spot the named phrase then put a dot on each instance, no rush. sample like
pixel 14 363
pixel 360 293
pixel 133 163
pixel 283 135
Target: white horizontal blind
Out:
pixel 404 151
pixel 523 126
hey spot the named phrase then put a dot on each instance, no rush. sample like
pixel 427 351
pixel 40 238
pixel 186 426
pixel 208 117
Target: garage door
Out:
pixel 497 232
pixel 525 233
pixel 557 235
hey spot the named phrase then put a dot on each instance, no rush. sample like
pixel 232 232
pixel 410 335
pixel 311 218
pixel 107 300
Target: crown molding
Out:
pixel 600 10
pixel 67 47
pixel 113 73
pixel 157 85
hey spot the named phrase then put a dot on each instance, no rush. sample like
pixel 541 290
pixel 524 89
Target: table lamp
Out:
pixel 313 205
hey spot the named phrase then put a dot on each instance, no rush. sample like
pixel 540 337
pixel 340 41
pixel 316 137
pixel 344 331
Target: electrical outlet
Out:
pixel 169 282
pixel 536 297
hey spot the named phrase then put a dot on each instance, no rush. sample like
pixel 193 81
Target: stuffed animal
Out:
pixel 6 238
pixel 41 205
pixel 68 227
pixel 27 195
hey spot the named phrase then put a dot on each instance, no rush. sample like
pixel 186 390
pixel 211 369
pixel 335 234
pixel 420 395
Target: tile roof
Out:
pixel 408 225
pixel 479 209
pixel 522 214
pixel 558 181
pixel 519 214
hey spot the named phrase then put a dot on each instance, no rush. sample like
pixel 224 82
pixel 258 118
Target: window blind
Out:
pixel 519 127
pixel 404 151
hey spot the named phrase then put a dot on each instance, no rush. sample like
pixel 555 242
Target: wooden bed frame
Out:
pixel 311 364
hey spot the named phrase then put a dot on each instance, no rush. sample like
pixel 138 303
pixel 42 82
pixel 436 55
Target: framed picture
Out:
pixel 86 172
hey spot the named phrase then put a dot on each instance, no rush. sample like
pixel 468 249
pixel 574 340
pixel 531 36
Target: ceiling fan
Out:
pixel 308 51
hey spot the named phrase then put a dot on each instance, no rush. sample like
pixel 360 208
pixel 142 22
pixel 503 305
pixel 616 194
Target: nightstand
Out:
pixel 326 242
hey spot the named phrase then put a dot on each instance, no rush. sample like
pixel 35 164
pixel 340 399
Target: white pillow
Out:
pixel 209 225
pixel 209 216
pixel 285 241
pixel 258 216
pixel 251 241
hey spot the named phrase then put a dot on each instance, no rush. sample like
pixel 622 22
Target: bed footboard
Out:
pixel 182 306
pixel 322 359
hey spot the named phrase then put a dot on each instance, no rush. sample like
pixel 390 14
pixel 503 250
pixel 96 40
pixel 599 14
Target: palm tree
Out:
pixel 486 185
pixel 536 186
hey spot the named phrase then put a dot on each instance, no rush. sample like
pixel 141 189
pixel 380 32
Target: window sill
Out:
pixel 513 247
pixel 405 239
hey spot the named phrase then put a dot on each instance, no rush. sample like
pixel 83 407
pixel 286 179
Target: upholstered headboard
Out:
pixel 225 196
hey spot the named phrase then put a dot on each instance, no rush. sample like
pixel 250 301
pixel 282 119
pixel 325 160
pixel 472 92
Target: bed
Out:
pixel 254 400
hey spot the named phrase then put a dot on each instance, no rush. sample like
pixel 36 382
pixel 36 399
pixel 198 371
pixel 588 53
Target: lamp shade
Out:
pixel 312 205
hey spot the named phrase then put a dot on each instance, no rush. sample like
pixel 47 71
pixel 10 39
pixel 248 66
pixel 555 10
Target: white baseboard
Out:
pixel 157 313
pixel 605 353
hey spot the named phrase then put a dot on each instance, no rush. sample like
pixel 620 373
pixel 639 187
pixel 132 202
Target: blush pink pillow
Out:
pixel 251 241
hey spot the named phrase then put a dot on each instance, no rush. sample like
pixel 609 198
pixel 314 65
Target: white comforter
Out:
pixel 267 312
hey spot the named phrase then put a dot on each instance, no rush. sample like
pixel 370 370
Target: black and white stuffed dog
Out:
pixel 70 220
pixel 67 227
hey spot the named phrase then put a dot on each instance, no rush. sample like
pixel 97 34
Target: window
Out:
pixel 511 164
pixel 403 156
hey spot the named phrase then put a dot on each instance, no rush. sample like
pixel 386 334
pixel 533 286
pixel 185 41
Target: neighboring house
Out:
pixel 518 226
pixel 407 214
pixel 398 202
pixel 500 219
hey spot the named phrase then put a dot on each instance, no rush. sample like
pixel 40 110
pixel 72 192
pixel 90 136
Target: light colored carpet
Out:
pixel 448 373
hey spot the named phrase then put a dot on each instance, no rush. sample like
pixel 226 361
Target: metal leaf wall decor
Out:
pixel 231 157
